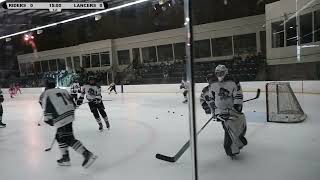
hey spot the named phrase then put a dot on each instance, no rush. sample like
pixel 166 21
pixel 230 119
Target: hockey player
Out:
pixel 223 99
pixel 93 94
pixel 2 125
pixel 58 109
pixel 75 89
pixel 112 87
pixel 184 85
pixel 17 87
pixel 12 91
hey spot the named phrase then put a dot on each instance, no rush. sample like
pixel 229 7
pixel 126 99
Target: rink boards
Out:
pixel 312 87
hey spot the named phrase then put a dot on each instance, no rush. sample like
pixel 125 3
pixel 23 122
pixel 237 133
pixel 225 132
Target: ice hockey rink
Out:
pixel 143 124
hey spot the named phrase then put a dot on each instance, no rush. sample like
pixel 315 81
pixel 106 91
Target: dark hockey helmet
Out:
pixel 49 82
pixel 92 79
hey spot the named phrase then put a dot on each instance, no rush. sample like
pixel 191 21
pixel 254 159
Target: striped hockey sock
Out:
pixel 63 148
pixel 78 147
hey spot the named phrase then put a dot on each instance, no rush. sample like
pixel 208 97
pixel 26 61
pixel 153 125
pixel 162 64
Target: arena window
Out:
pixel 221 46
pixel 61 64
pixel 245 43
pixel 95 60
pixel 69 63
pixel 76 62
pixel 45 66
pixel 105 59
pixel 53 65
pixel 179 51
pixel 291 32
pixel 86 61
pixel 37 66
pixel 165 52
pixel 317 25
pixel 277 34
pixel 202 48
pixel 22 68
pixel 123 57
pixel 136 55
pixel 306 28
pixel 149 54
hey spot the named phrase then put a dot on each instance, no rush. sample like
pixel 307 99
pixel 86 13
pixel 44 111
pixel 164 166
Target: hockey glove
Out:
pixel 79 102
pixel 97 100
pixel 238 107
pixel 206 108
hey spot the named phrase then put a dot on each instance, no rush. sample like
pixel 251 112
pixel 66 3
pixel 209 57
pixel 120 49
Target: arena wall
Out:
pixel 312 87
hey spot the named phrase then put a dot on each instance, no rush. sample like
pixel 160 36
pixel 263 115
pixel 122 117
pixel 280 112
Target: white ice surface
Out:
pixel 275 151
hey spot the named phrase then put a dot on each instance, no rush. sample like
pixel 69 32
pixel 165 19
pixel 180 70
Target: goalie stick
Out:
pixel 187 144
pixel 257 96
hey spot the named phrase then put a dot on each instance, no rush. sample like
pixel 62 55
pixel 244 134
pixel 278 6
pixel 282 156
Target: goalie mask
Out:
pixel 221 71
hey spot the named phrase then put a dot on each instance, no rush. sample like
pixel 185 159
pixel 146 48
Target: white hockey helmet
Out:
pixel 221 71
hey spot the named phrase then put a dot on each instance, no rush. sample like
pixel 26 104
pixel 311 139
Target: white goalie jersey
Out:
pixel 92 92
pixel 58 107
pixel 221 96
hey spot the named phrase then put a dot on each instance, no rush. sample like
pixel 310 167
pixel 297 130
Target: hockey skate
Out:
pixel 100 127
pixel 89 159
pixel 107 124
pixel 2 125
pixel 64 161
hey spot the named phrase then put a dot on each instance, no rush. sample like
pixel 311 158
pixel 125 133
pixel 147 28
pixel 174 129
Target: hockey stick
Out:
pixel 182 150
pixel 39 124
pixel 257 96
pixel 187 144
pixel 51 146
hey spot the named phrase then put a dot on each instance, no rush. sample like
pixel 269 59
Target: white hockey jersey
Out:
pixel 75 88
pixel 92 92
pixel 221 96
pixel 58 106
pixel 184 85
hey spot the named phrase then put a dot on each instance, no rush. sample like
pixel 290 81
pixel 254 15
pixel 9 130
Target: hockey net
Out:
pixel 282 104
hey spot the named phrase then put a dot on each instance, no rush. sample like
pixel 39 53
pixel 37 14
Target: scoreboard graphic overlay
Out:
pixel 55 6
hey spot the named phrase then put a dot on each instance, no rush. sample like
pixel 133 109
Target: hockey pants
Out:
pixel 97 108
pixel 65 139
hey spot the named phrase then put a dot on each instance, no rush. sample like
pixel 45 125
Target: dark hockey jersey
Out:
pixel 58 107
pixel 1 97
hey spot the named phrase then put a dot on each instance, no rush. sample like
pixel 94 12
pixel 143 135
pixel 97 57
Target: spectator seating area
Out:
pixel 242 68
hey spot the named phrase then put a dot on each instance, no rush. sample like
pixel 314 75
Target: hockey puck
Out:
pixel 168 111
pixel 38 124
pixel 173 112
pixel 181 115
pixel 157 118
pixel 254 110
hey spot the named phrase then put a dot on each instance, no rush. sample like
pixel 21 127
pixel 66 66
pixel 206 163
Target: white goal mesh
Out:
pixel 282 104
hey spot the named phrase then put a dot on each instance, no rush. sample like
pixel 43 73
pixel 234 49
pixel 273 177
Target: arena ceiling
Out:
pixel 19 20
pixel 12 21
